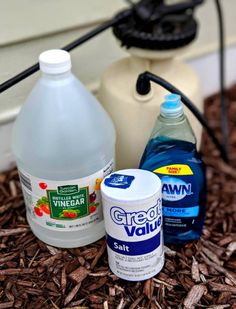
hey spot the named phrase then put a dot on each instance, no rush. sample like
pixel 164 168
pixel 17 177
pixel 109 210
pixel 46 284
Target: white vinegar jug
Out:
pixel 64 142
pixel 133 115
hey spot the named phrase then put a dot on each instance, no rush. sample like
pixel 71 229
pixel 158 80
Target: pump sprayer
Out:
pixel 148 13
pixel 153 35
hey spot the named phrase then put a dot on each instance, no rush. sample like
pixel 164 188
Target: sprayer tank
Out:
pixel 134 115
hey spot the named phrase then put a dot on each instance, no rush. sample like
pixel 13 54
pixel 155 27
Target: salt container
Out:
pixel 132 211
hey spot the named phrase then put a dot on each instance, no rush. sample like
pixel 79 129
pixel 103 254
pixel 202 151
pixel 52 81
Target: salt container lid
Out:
pixel 130 185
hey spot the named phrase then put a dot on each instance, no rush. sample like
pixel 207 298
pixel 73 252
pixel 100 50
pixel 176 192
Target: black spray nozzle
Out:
pixel 155 25
pixel 143 87
pixel 154 10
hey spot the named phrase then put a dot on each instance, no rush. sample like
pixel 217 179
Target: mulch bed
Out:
pixel 199 275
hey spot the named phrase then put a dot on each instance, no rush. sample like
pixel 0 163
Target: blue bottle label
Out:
pixel 119 181
pixel 179 196
pixel 182 175
pixel 184 212
pixel 175 189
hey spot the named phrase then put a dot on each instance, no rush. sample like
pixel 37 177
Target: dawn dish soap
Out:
pixel 171 154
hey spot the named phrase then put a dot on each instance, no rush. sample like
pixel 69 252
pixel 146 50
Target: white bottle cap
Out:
pixel 55 61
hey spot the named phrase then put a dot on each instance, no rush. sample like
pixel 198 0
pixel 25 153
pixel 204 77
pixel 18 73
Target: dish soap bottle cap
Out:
pixel 172 106
pixel 55 61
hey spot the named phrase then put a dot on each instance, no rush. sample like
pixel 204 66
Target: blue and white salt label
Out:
pixel 134 238
pixel 119 181
pixel 134 247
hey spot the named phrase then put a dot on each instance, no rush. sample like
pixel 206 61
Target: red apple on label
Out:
pixel 92 209
pixel 38 211
pixel 43 185
pixel 73 215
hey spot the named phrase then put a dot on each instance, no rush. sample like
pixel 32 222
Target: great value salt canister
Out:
pixel 133 222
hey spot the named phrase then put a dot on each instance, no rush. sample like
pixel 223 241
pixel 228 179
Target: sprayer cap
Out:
pixel 172 106
pixel 55 61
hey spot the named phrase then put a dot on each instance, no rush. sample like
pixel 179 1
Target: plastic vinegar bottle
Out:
pixel 64 144
pixel 171 154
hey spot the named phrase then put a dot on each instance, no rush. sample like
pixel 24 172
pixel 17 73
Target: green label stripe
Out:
pixel 68 202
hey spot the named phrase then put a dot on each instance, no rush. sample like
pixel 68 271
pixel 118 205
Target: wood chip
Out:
pixel 63 280
pixel 148 288
pixel 220 269
pixel 194 295
pixel 99 274
pixel 5 305
pixel 231 249
pixel 72 294
pixel 203 269
pixel 213 247
pixel 16 271
pixel 54 305
pixel 90 253
pixel 96 299
pixel 195 270
pixel 225 241
pixel 121 304
pixel 161 282
pixel 53 250
pixel 169 252
pixel 50 261
pixel 136 302
pixel 168 280
pixel 9 232
pixel 222 287
pixel 8 258
pixel 24 283
pixel 13 188
pixel 219 306
pixel 33 291
pixel 232 264
pixel 211 255
pixel 99 254
pixel 224 297
pixel 98 284
pixel 79 274
pixel 228 281
pixel 4 208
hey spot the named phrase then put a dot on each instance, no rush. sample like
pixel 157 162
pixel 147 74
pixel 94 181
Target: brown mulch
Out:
pixel 199 275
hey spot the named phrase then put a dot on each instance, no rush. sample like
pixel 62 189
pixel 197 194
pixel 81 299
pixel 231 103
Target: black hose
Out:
pixel 146 77
pixel 143 87
pixel 223 107
pixel 34 68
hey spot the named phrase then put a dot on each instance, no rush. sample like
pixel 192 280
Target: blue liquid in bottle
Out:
pixel 171 154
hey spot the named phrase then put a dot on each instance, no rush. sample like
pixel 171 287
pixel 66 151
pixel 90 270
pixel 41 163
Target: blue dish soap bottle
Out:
pixel 171 153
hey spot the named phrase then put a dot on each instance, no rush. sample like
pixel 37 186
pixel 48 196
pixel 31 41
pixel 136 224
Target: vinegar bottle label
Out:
pixel 65 205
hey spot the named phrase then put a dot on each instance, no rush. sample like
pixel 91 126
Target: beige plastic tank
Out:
pixel 134 115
